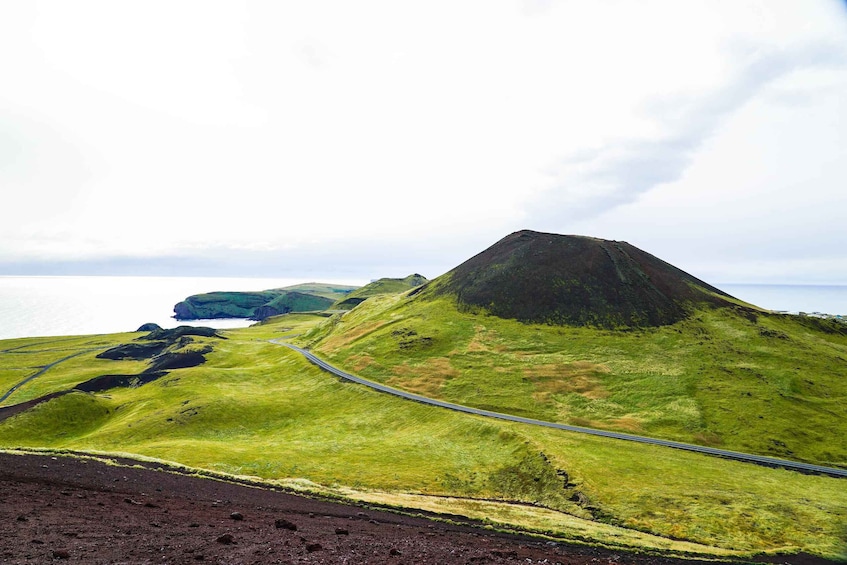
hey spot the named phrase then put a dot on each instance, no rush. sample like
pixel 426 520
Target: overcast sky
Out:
pixel 367 139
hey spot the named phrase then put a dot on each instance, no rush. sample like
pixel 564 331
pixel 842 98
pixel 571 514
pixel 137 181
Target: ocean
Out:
pixel 49 306
pixel 821 299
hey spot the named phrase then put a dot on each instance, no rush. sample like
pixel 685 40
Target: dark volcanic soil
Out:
pixel 65 509
pixel 574 280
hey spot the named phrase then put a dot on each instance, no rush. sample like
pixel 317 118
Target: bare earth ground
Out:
pixel 65 509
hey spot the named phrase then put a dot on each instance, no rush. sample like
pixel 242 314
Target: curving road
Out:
pixel 44 369
pixel 745 457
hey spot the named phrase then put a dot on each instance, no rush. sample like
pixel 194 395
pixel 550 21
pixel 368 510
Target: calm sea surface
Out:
pixel 45 306
pixel 826 299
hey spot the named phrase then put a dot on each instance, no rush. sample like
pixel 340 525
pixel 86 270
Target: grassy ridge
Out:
pixel 260 410
pixel 758 383
pixel 377 287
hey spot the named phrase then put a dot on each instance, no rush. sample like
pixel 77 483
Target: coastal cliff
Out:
pixel 260 304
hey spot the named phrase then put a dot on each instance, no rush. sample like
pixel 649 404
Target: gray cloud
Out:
pixel 535 7
pixel 313 53
pixel 595 181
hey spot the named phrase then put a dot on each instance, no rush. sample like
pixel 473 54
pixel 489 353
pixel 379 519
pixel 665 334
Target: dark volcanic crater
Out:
pixel 575 280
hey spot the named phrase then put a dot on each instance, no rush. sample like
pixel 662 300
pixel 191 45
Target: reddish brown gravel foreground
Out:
pixel 57 509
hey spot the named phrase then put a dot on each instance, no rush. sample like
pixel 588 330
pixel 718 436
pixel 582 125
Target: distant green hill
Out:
pixel 259 305
pixel 377 287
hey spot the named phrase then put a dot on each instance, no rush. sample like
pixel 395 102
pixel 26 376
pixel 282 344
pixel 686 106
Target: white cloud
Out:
pixel 619 171
pixel 186 128
pixel 762 200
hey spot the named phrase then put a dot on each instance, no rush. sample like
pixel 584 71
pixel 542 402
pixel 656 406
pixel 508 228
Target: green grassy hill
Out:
pixel 258 410
pixel 727 374
pixel 377 287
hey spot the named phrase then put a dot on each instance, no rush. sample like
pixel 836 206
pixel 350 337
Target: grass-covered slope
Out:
pixel 257 409
pixel 377 287
pixel 22 358
pixel 575 280
pixel 331 291
pixel 728 377
pixel 259 305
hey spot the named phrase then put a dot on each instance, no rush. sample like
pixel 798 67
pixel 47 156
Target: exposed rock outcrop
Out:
pixel 134 351
pixel 173 334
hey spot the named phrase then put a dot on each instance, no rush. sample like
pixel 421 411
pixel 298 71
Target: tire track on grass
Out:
pixel 41 371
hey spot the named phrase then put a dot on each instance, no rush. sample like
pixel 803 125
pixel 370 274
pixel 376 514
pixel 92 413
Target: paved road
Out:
pixel 745 457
